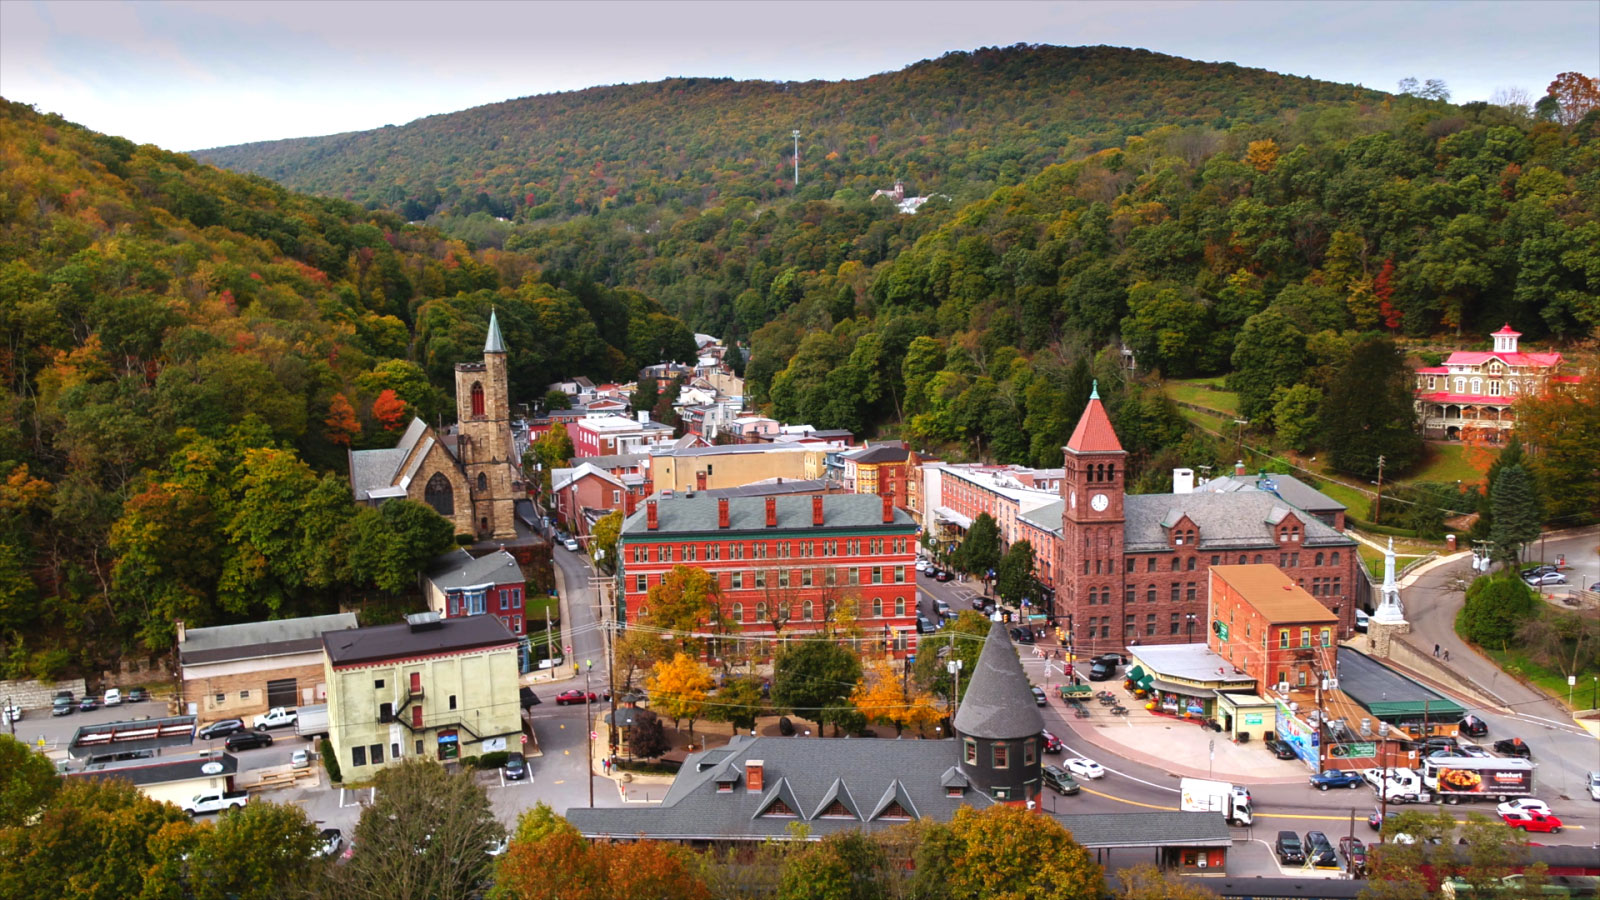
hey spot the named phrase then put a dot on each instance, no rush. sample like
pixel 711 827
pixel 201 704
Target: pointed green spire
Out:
pixel 495 343
pixel 1094 390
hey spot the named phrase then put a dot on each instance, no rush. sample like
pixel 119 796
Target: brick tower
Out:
pixel 1089 577
pixel 485 448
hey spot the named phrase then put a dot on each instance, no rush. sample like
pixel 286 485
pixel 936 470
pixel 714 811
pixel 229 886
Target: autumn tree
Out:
pixel 681 603
pixel 880 697
pixel 603 540
pixel 343 427
pixel 28 781
pixel 547 859
pixel 425 836
pixel 646 738
pixel 1262 155
pixel 94 839
pixel 1575 94
pixel 1003 851
pixel 1558 427
pixel 813 679
pixel 847 865
pixel 1146 882
pixel 962 639
pixel 260 852
pixel 389 411
pixel 679 687
pixel 636 650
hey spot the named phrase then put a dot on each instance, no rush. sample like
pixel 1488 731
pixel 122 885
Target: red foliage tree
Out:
pixel 341 421
pixel 1383 289
pixel 389 410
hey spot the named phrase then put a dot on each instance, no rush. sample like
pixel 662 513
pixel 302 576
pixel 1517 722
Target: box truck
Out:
pixel 1199 795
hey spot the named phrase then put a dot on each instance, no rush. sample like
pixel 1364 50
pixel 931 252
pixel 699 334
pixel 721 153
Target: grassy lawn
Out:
pixel 1214 423
pixel 1550 681
pixel 1353 499
pixel 1374 562
pixel 1447 463
pixel 1199 391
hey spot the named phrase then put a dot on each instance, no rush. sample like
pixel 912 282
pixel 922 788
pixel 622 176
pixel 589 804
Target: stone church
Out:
pixel 472 476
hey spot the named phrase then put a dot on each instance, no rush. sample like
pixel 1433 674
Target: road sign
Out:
pixel 593 735
pixel 569 648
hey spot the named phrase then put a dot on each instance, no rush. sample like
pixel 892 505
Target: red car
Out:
pixel 574 696
pixel 1528 820
pixel 1052 744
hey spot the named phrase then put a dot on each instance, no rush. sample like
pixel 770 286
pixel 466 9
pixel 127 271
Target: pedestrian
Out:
pixel 1435 651
pixel 1447 655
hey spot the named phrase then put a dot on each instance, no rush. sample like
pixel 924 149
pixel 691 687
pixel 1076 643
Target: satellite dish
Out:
pixel 212 768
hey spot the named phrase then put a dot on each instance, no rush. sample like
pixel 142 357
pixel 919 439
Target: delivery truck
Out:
pixel 311 722
pixel 1470 778
pixel 1199 795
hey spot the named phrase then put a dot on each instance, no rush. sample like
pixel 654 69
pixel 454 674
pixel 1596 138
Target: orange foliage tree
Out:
pixel 341 421
pixel 1262 155
pixel 549 860
pixel 1576 93
pixel 1005 851
pixel 679 687
pixel 389 410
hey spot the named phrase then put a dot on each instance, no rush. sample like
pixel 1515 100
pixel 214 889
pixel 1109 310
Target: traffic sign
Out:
pixel 593 735
pixel 569 648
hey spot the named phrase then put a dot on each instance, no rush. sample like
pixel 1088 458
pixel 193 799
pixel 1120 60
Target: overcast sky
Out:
pixel 188 75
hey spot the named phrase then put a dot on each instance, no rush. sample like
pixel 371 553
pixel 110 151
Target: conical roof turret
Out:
pixel 494 343
pixel 999 702
pixel 1094 433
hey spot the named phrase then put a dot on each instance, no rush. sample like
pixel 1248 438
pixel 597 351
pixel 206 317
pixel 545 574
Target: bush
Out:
pixel 1496 605
pixel 330 761
pixel 493 760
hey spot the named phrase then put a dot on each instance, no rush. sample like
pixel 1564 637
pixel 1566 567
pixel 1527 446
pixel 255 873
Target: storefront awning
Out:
pixel 1184 689
pixel 946 514
pixel 1135 674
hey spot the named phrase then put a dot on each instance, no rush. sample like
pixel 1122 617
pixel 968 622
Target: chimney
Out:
pixel 722 512
pixel 182 635
pixel 816 509
pixel 772 512
pixel 630 502
pixel 1238 468
pixel 700 481
pixel 754 778
pixel 1183 481
pixel 888 508
pixel 650 515
pixel 644 417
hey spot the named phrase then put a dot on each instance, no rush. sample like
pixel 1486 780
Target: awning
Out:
pixel 1184 689
pixel 947 514
pixel 1135 673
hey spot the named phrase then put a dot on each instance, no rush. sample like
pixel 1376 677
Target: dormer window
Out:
pixel 954 792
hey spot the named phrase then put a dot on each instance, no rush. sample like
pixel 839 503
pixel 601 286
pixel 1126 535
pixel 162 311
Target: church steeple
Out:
pixel 494 343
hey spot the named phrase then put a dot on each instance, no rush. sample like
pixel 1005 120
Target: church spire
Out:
pixel 1094 433
pixel 495 343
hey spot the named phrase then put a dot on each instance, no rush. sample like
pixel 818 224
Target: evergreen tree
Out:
pixel 734 359
pixel 1015 578
pixel 980 551
pixel 645 394
pixel 1368 412
pixel 1516 513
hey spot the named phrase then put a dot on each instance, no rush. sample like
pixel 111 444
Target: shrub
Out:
pixel 330 761
pixel 493 760
pixel 1496 605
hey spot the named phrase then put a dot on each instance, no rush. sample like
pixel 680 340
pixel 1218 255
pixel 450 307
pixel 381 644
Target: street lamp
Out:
pixel 1191 618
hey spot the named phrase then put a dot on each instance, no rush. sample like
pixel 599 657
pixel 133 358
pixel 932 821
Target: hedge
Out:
pixel 330 761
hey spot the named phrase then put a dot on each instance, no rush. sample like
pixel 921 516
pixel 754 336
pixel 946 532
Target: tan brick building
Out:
pixel 237 671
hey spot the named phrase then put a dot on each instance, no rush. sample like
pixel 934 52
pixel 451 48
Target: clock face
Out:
pixel 1072 499
pixel 1099 502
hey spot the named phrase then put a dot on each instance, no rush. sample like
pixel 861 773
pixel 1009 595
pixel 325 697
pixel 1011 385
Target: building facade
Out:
pixel 877 469
pixel 238 671
pixel 427 687
pixel 1268 626
pixel 607 435
pixel 727 466
pixel 1132 568
pixel 1471 396
pixel 782 563
pixel 457 584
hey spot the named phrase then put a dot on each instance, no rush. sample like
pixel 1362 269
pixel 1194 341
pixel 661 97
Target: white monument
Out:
pixel 1390 611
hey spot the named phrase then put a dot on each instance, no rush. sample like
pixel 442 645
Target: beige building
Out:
pixel 427 687
pixel 176 780
pixel 727 466
pixel 237 671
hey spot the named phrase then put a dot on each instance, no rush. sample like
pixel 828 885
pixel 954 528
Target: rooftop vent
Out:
pixel 424 621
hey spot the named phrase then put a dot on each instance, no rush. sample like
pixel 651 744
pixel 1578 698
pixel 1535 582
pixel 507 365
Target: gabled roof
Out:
pixel 560 478
pixel 998 703
pixel 894 793
pixel 836 791
pixel 1231 521
pixel 254 640
pixel 780 791
pixel 1293 491
pixel 459 569
pixel 1094 433
pixel 878 453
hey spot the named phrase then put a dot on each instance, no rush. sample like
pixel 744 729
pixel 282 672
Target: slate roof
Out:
pixel 161 771
pixel 494 343
pixel 878 453
pixel 998 703
pixel 1094 433
pixel 682 514
pixel 1226 521
pixel 1047 516
pixel 614 461
pixel 381 642
pixel 725 449
pixel 773 487
pixel 1291 489
pixel 1151 829
pixel 378 473
pixel 459 569
pixel 803 771
pixel 253 640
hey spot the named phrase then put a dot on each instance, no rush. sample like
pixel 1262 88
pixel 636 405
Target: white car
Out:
pixel 571 544
pixel 922 565
pixel 300 759
pixel 1594 785
pixel 113 698
pixel 10 713
pixel 1523 805
pixel 1084 768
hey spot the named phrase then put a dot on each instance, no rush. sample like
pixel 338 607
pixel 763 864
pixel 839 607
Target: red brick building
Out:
pixel 780 561
pixel 1264 623
pixel 1132 568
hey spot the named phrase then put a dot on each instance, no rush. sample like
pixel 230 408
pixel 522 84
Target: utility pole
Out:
pixel 796 134
pixel 10 719
pixel 588 726
pixel 1377 505
pixel 953 666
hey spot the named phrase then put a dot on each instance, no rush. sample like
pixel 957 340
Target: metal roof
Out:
pixel 254 640
pixel 402 639
pixel 133 736
pixel 1386 693
pixel 683 513
pixel 1233 521
pixel 163 771
pixel 459 569
pixel 1274 595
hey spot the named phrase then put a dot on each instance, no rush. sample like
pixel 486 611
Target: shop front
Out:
pixel 1245 716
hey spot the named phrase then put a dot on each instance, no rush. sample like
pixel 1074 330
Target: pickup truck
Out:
pixel 276 717
pixel 216 801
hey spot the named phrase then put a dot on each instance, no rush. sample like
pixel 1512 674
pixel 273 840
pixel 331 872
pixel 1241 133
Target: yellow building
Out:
pixel 429 687
pixel 727 466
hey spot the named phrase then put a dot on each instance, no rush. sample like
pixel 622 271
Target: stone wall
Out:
pixel 38 694
pixel 138 672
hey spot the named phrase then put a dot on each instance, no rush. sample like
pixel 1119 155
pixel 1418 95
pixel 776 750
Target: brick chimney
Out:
pixel 1238 468
pixel 888 508
pixel 754 777
pixel 772 512
pixel 650 520
pixel 700 481
pixel 630 502
pixel 722 512
pixel 816 509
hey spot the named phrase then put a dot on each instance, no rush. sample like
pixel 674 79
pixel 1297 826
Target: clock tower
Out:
pixel 1089 580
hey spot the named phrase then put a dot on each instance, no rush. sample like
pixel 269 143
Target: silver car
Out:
pixel 1542 578
pixel 1594 785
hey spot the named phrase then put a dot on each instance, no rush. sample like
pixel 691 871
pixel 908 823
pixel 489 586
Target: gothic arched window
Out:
pixel 440 495
pixel 477 399
pixel 483 483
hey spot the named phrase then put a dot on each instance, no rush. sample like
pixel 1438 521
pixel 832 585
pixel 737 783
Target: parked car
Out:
pixel 1533 821
pixel 1355 854
pixel 1052 744
pixel 1084 768
pixel 1281 749
pixel 221 729
pixel 1059 780
pixel 113 697
pixel 1535 571
pixel 137 695
pixel 574 696
pixel 1513 747
pixel 88 703
pixel 1594 785
pixel 10 713
pixel 1287 846
pixel 924 626
pixel 329 842
pixel 1039 696
pixel 1544 578
pixel 276 717
pixel 1112 659
pixel 1440 743
pixel 1022 635
pixel 942 608
pixel 63 705
pixel 571 543
pixel 943 575
pixel 1319 851
pixel 1101 672
pixel 300 759
pixel 528 697
pixel 1523 804
pixel 1474 750
pixel 1336 778
pixel 1361 620
pixel 922 564
pixel 516 766
pixel 247 740
pixel 1472 726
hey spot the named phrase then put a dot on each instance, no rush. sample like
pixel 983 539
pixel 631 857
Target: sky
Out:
pixel 192 75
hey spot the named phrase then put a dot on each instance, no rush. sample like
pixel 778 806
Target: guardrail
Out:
pixel 1420 561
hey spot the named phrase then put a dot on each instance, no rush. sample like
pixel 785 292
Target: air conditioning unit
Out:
pixel 1283 687
pixel 1366 728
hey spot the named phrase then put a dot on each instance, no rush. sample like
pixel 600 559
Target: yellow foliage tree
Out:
pixel 679 687
pixel 1262 155
pixel 879 696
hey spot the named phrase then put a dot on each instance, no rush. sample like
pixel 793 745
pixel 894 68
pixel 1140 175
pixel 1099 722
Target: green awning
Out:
pixel 1135 673
pixel 1147 682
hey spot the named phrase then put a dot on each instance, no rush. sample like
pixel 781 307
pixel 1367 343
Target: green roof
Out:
pixel 1387 694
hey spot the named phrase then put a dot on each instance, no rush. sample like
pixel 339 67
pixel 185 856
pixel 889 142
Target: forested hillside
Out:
pixel 959 124
pixel 188 353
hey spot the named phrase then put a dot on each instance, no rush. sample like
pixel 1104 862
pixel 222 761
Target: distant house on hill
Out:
pixel 1471 396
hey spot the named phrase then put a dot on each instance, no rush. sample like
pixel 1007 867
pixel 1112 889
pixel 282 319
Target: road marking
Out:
pixel 1163 787
pixel 1131 802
